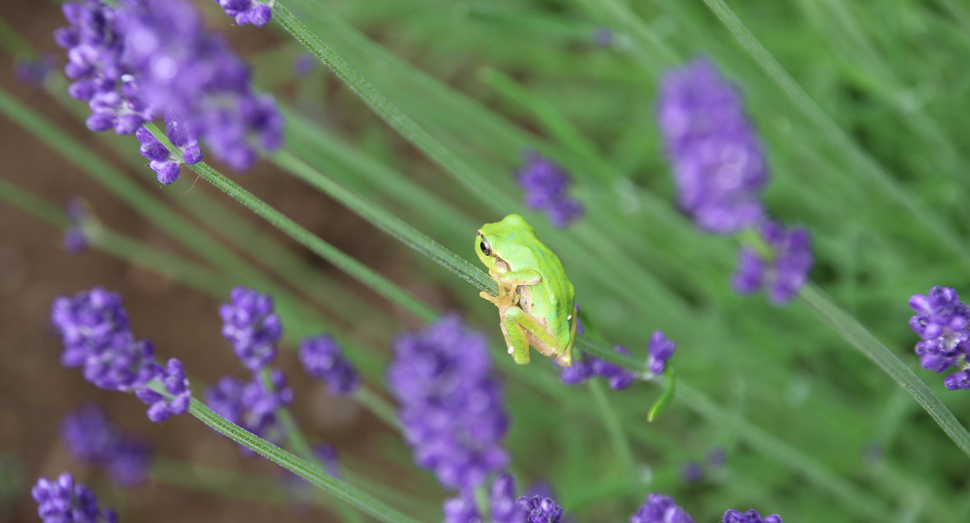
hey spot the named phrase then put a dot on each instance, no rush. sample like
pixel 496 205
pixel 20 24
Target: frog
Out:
pixel 536 301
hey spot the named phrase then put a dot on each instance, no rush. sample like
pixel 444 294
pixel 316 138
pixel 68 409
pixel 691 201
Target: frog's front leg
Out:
pixel 516 278
pixel 521 329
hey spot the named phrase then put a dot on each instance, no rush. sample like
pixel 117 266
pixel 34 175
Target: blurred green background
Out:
pixel 866 148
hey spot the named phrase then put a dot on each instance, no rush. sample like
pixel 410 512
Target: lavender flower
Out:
pixel 251 325
pixel 660 349
pixel 717 159
pixel 165 164
pixel 92 438
pixel 199 81
pixel 74 240
pixel 176 384
pixel 784 270
pixel 546 189
pixel 461 509
pixel 540 510
pixel 618 377
pixel 502 501
pixel 64 500
pixel 252 405
pixel 451 407
pixel 733 516
pixel 34 71
pixel 322 359
pixel 692 472
pixel 658 508
pixel 943 321
pixel 247 11
pixel 304 64
pixel 101 76
pixel 94 331
pixel 580 371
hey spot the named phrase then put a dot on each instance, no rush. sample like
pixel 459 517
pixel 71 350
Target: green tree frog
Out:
pixel 536 302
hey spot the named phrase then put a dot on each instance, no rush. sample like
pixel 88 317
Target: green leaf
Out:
pixel 665 399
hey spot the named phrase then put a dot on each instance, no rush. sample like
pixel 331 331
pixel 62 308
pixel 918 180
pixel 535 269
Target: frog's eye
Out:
pixel 485 247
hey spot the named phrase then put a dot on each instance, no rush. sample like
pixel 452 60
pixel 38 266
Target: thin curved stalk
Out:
pixel 299 233
pixel 339 489
pixel 833 132
pixel 872 348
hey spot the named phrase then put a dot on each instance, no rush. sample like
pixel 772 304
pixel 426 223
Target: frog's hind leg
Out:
pixel 518 341
pixel 535 332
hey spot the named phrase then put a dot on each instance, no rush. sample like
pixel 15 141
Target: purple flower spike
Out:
pixel 546 189
pixel 34 72
pixel 176 384
pixel 252 405
pixel 65 500
pixel 450 405
pixel 94 331
pixel 959 380
pixel 74 240
pixel 540 510
pixel 784 271
pixel 502 501
pixel 92 438
pixel 323 359
pixel 96 63
pixel 619 378
pixel 461 509
pixel 733 516
pixel 717 159
pixel 943 321
pixel 661 349
pixel 580 371
pixel 660 509
pixel 247 11
pixel 251 325
pixel 692 472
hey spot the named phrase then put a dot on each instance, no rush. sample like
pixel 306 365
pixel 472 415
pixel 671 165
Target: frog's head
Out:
pixel 495 238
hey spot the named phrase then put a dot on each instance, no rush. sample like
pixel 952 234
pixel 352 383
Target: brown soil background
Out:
pixel 36 391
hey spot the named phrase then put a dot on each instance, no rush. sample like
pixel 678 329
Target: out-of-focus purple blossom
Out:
pixel 716 457
pixel 34 71
pixel 660 349
pixel 93 439
pixel 323 359
pixel 461 508
pixel 176 384
pixel 733 516
pixel 247 11
pixel 94 330
pixel 943 321
pixel 658 508
pixel 304 64
pixel 165 164
pixel 546 188
pixel 252 405
pixel 692 472
pixel 784 271
pixel 580 371
pixel 101 76
pixel 65 500
pixel 329 457
pixel 540 510
pixel 503 502
pixel 450 405
pixel 194 76
pixel 618 377
pixel 717 159
pixel 252 327
pixel 603 37
pixel 74 240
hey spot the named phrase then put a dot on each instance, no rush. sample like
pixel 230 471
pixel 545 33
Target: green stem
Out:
pixel 321 248
pixel 32 204
pixel 390 113
pixel 872 348
pixel 378 406
pixel 833 132
pixel 339 489
pixel 621 445
pixel 216 481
